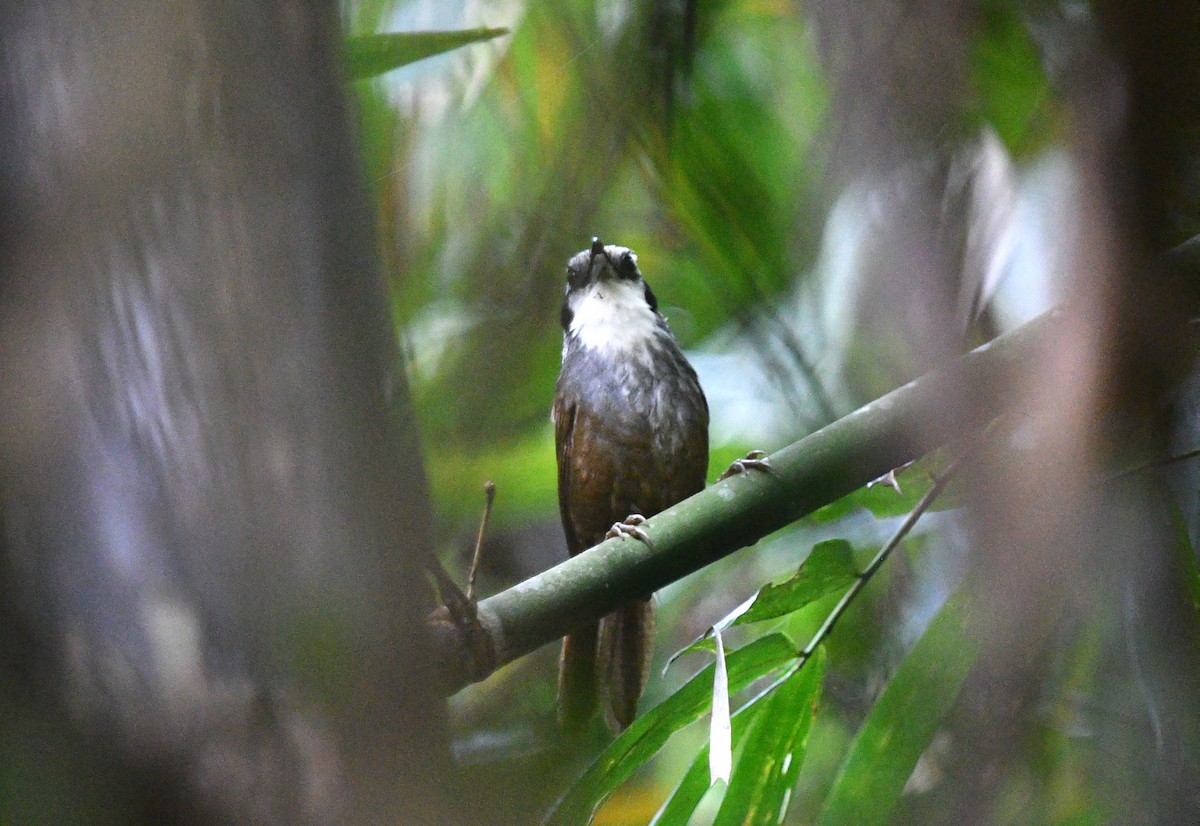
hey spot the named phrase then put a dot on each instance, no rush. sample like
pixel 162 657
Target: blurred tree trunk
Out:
pixel 214 516
pixel 1056 554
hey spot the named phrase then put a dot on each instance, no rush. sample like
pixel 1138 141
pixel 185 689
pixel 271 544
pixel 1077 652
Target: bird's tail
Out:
pixel 577 695
pixel 624 649
pixel 609 660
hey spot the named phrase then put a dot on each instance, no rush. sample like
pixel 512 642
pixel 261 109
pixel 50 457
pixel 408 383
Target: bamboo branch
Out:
pixel 820 468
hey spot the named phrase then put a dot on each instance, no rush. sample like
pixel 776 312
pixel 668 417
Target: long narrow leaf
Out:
pixel 648 733
pixel 903 721
pixel 373 54
pixel 720 731
pixel 766 771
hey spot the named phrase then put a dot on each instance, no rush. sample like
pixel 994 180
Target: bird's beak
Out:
pixel 597 249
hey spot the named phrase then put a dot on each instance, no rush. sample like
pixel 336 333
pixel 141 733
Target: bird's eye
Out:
pixel 627 266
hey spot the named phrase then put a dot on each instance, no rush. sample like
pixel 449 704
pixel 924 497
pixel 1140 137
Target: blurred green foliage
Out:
pixel 1014 97
pixel 902 721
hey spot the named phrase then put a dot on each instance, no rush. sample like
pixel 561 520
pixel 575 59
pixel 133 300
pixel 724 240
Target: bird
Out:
pixel 631 439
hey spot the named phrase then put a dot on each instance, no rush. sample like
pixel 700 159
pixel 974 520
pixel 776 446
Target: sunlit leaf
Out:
pixel 720 732
pixel 373 54
pixel 829 567
pixel 648 733
pixel 903 721
pixel 766 770
pixel 695 783
pixel 523 470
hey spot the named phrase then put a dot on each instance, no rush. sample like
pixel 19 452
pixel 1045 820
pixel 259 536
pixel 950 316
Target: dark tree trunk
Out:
pixel 213 515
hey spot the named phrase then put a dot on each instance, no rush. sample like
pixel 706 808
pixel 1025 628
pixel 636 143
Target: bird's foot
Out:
pixel 630 527
pixel 754 460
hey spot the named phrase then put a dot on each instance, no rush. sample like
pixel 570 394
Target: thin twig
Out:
pixel 489 492
pixel 1154 463
pixel 910 521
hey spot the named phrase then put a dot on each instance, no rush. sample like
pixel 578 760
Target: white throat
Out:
pixel 612 316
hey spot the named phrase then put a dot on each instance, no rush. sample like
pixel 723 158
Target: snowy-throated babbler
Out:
pixel 631 431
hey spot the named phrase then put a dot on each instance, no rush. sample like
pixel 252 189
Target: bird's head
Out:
pixel 608 305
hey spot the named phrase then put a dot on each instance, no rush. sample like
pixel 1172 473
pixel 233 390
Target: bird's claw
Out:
pixel 630 527
pixel 754 460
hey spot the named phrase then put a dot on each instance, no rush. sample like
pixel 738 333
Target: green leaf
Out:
pixel 903 721
pixel 373 54
pixel 1014 96
pixel 766 770
pixel 829 567
pixel 648 733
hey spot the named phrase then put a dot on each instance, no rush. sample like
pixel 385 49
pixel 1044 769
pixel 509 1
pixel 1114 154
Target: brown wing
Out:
pixel 604 473
pixel 564 431
pixel 577 685
pixel 603 476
